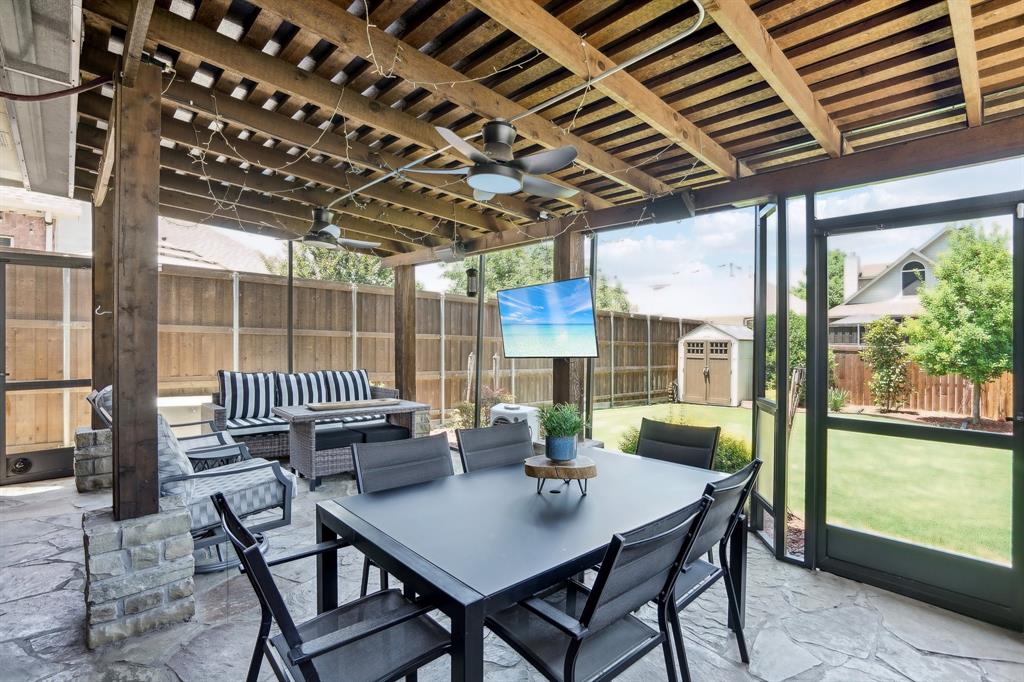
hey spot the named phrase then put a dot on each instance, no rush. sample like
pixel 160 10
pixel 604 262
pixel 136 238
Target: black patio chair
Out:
pixel 678 443
pixel 728 496
pixel 394 464
pixel 597 636
pixel 494 446
pixel 384 636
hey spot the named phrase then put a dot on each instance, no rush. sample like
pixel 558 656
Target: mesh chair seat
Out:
pixel 376 657
pixel 545 646
pixel 694 580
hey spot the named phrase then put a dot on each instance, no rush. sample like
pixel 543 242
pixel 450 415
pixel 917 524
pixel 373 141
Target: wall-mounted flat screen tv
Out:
pixel 553 320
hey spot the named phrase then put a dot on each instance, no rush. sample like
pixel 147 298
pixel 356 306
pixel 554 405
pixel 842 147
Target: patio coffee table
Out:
pixel 476 543
pixel 314 464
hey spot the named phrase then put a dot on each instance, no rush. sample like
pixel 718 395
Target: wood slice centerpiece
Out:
pixel 580 470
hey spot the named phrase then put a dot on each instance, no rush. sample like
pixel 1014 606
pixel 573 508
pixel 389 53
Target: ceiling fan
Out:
pixel 325 234
pixel 495 170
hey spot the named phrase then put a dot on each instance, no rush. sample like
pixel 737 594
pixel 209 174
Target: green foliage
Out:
pixel 837 398
pixel 341 265
pixel 967 324
pixel 885 354
pixel 731 455
pixel 489 397
pixel 528 265
pixel 836 265
pixel 561 420
pixel 797 348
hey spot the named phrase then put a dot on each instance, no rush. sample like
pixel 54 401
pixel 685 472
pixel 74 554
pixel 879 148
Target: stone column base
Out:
pixel 138 572
pixel 94 460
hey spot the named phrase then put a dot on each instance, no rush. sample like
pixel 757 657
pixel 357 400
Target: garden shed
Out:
pixel 716 365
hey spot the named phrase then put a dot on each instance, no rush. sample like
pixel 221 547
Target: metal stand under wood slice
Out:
pixel 581 470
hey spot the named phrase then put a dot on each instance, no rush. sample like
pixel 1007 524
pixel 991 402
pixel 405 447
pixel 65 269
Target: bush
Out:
pixel 837 399
pixel 732 454
pixel 463 417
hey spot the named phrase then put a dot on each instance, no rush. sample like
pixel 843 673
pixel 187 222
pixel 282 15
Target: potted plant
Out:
pixel 562 423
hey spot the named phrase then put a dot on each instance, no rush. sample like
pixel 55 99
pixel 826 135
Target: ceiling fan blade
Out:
pixel 461 170
pixel 543 188
pixel 357 243
pixel 481 195
pixel 461 146
pixel 547 161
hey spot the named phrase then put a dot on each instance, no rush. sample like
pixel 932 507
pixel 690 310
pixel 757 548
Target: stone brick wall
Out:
pixel 421 424
pixel 94 461
pixel 138 572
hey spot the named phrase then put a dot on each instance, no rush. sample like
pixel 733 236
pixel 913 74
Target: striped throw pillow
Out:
pixel 301 388
pixel 350 385
pixel 246 394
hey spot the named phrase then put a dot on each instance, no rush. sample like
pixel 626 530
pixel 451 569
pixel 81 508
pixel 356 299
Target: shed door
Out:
pixel 719 373
pixel 695 387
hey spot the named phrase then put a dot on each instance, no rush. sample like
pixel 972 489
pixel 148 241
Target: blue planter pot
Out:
pixel 560 448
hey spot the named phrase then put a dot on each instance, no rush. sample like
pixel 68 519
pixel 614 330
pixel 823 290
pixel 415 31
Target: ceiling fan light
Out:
pixel 495 178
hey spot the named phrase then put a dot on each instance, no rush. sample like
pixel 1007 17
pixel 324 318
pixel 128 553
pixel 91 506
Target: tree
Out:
pixel 341 265
pixel 836 265
pixel 797 350
pixel 528 265
pixel 886 356
pixel 966 327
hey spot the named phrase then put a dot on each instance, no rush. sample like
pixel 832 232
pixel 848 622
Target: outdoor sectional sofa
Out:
pixel 243 408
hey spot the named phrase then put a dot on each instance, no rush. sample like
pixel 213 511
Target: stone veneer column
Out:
pixel 421 424
pixel 138 572
pixel 94 461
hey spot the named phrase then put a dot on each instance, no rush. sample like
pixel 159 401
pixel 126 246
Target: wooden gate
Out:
pixel 695 385
pixel 719 374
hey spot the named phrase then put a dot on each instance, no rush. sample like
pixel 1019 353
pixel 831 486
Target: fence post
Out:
pixel 611 386
pixel 236 289
pixel 443 335
pixel 65 332
pixel 354 342
pixel 648 359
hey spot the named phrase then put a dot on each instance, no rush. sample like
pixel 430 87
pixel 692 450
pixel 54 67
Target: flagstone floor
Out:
pixel 801 625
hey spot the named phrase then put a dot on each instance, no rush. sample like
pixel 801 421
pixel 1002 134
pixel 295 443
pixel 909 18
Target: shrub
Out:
pixel 463 417
pixel 561 420
pixel 885 354
pixel 732 454
pixel 837 399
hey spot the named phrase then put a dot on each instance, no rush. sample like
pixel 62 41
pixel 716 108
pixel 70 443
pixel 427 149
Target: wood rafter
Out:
pixel 549 35
pixel 962 21
pixel 747 32
pixel 338 26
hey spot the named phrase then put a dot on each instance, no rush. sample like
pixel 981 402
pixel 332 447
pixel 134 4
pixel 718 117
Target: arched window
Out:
pixel 913 277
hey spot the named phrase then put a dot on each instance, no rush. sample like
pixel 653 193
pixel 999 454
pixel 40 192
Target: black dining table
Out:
pixel 476 543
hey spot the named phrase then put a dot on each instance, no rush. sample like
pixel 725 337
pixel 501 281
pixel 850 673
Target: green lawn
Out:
pixel 954 497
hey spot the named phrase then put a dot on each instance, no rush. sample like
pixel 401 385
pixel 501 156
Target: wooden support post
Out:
pixel 136 194
pixel 405 331
pixel 102 299
pixel 567 374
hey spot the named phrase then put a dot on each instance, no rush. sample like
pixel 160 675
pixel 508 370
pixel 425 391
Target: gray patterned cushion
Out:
pixel 105 399
pixel 171 460
pixel 247 492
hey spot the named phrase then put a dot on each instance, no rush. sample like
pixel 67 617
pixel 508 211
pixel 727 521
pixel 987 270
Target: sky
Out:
pixel 558 303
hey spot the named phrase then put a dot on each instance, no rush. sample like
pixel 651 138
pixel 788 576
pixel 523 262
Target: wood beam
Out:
pixel 190 37
pixel 548 34
pixel 106 167
pixel 962 21
pixel 1000 139
pixel 135 39
pixel 102 299
pixel 338 26
pixel 567 373
pixel 136 202
pixel 748 34
pixel 405 331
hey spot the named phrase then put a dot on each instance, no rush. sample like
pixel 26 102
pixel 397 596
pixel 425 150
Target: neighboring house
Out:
pixel 873 290
pixel 202 246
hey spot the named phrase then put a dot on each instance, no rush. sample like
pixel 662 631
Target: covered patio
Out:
pixel 416 133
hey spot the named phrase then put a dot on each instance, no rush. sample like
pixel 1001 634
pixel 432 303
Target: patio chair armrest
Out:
pixel 354 633
pixel 213 473
pixel 312 550
pixel 216 414
pixel 383 392
pixel 552 615
pixel 234 451
pixel 198 423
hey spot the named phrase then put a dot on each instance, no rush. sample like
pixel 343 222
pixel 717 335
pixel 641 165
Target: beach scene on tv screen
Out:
pixel 548 320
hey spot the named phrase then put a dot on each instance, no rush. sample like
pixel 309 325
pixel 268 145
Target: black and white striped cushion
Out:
pixel 246 394
pixel 301 388
pixel 256 425
pixel 344 386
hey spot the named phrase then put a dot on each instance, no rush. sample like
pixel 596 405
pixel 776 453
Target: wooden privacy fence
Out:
pixel 950 393
pixel 212 320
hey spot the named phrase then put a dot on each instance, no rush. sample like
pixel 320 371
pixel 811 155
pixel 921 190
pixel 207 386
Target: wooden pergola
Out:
pixel 249 115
